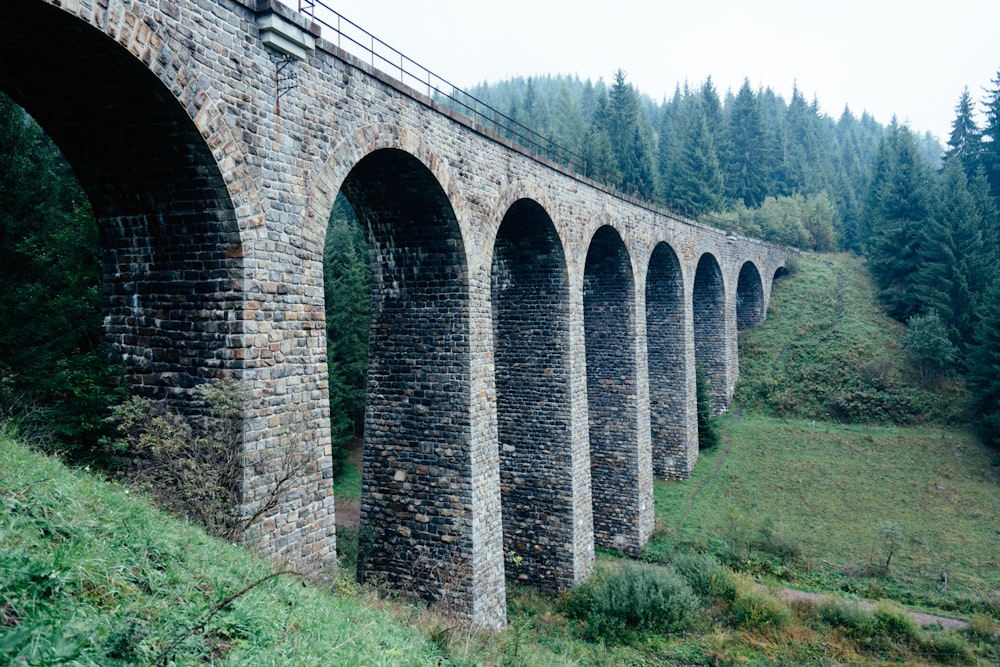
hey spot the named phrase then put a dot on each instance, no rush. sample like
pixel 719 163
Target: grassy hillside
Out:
pixel 91 575
pixel 827 351
pixel 809 505
pixel 818 503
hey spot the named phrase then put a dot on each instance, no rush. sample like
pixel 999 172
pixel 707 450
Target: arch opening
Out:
pixel 610 335
pixel 749 298
pixel 173 258
pixel 416 496
pixel 530 305
pixel 709 310
pixel 670 404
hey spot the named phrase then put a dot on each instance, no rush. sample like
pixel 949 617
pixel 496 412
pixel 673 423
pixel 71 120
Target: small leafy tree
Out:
pixel 892 539
pixel 192 465
pixel 929 348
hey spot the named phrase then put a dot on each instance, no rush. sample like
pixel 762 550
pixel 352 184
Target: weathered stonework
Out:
pixel 533 335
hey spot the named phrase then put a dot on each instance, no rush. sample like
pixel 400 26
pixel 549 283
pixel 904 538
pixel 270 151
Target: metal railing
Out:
pixel 360 43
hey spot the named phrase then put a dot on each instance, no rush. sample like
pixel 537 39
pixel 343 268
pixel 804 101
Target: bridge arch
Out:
pixel 327 179
pixel 749 298
pixel 673 427
pixel 622 505
pixel 416 503
pixel 142 147
pixel 531 316
pixel 709 315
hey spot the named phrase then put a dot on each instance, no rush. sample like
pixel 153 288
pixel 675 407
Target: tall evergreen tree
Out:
pixel 965 141
pixel 991 138
pixel 631 139
pixel 898 209
pixel 745 151
pixel 51 353
pixel 695 176
pixel 566 120
pixel 600 160
pixel 346 285
pixel 984 375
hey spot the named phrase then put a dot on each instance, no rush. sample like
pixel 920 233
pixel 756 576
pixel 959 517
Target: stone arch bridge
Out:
pixel 533 335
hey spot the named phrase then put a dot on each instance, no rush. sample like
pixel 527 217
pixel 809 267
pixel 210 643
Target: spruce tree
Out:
pixel 984 375
pixel 51 353
pixel 745 149
pixel 897 210
pixel 346 284
pixel 991 138
pixel 965 141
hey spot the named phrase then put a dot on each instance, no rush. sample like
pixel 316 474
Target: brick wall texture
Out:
pixel 533 335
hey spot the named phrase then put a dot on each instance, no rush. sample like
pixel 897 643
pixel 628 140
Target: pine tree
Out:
pixel 600 161
pixel 695 176
pixel 984 375
pixel 965 141
pixel 745 149
pixel 991 138
pixel 897 210
pixel 51 352
pixel 630 136
pixel 346 284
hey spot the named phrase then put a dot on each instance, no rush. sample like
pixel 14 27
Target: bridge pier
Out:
pixel 547 538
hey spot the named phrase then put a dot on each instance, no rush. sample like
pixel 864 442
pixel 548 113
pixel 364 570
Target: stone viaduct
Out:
pixel 533 335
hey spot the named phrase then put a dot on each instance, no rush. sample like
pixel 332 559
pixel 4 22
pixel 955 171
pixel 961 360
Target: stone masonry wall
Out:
pixel 213 162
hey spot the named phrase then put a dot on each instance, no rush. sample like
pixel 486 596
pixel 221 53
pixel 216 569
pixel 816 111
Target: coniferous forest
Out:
pixel 925 216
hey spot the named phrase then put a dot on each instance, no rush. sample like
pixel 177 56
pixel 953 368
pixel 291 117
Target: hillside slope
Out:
pixel 816 485
pixel 827 351
pixel 92 575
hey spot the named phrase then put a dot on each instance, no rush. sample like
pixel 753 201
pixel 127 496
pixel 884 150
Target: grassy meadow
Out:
pixel 833 465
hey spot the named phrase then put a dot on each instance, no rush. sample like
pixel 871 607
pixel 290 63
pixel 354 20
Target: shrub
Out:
pixel 950 649
pixel 894 623
pixel 632 601
pixel 776 539
pixel 192 465
pixel 853 619
pixel 929 349
pixel 755 609
pixel 707 576
pixel 981 628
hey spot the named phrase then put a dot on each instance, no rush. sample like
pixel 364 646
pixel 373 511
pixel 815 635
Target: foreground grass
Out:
pixel 90 575
pixel 805 504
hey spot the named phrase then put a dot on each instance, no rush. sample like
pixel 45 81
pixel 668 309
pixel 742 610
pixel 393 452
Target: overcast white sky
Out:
pixel 909 58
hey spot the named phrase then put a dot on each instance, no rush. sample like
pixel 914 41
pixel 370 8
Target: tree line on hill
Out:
pixel 925 216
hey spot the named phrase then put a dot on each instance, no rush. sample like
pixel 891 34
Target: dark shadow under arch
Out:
pixel 609 326
pixel 530 299
pixel 667 363
pixel 173 259
pixel 709 310
pixel 416 497
pixel 749 298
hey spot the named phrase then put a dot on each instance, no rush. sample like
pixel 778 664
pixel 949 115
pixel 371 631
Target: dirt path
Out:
pixel 919 617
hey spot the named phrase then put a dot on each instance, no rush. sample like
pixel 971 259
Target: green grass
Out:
pixel 827 351
pixel 815 464
pixel 92 575
pixel 826 489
